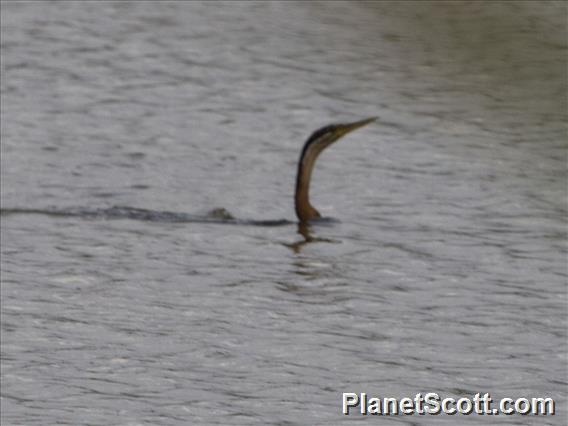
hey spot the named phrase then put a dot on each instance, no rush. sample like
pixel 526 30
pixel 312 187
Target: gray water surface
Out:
pixel 444 272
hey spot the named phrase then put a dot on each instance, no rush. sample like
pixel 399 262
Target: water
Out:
pixel 444 272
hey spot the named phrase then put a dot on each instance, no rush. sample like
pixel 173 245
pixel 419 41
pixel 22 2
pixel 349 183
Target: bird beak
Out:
pixel 349 127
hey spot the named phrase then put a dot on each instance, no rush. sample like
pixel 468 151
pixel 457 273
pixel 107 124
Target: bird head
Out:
pixel 324 137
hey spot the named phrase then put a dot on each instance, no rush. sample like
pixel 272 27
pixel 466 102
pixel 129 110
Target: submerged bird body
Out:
pixel 316 143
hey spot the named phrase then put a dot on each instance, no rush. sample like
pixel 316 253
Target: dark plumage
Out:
pixel 316 143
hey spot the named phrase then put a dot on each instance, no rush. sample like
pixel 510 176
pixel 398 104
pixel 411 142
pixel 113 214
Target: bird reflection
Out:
pixel 305 230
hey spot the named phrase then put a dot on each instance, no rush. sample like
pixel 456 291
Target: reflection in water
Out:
pixel 305 230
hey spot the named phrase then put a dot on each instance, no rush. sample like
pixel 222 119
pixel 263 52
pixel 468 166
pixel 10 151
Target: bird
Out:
pixel 306 212
pixel 316 143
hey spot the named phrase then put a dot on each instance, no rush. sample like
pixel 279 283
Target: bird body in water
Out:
pixel 316 143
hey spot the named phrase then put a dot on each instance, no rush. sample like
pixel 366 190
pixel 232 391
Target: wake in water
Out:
pixel 219 215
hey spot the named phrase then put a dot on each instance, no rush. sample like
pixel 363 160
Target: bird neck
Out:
pixel 304 210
